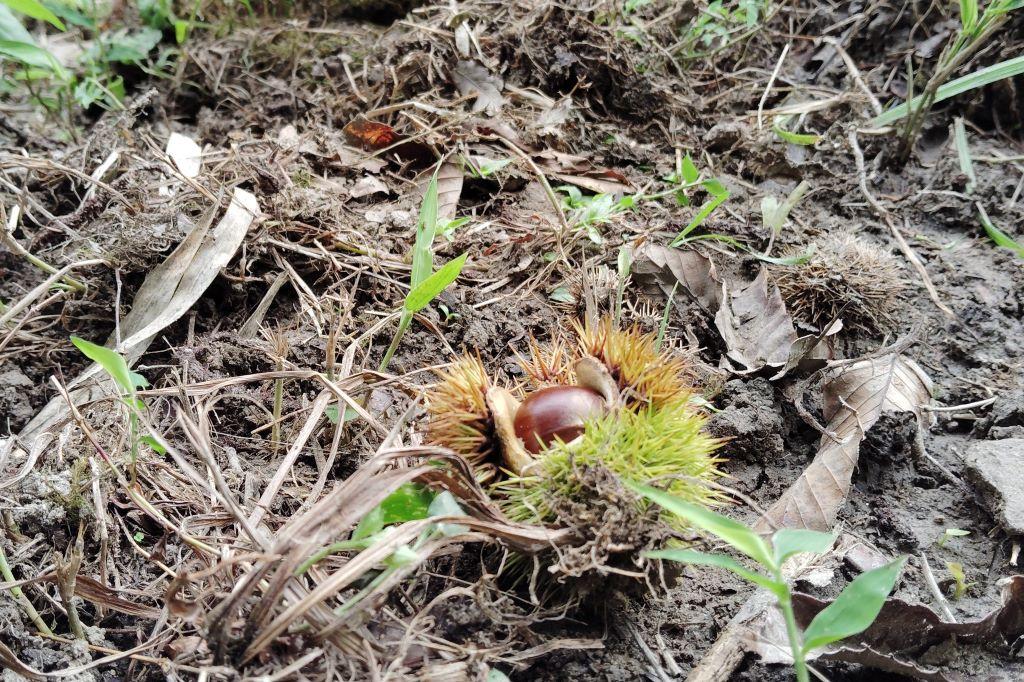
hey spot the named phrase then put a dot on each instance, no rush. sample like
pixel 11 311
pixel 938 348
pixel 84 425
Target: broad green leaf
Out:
pixel 35 10
pixel 129 48
pixel 331 411
pixel 32 55
pixel 445 504
pixel 426 228
pixel 403 556
pixel 690 172
pixel 495 675
pixel 409 502
pixel 789 541
pixel 12 29
pixel 425 292
pixel 990 74
pixel 111 362
pixel 722 527
pixel 855 609
pixel 715 186
pixel 687 556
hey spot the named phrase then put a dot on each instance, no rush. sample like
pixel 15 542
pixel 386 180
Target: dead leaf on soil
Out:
pixel 854 397
pixel 372 136
pixel 167 293
pixel 901 632
pixel 186 154
pixel 691 270
pixel 755 325
pixel 473 78
pixel 579 171
pixel 449 189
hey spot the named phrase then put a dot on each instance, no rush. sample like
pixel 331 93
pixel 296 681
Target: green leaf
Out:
pixel 129 48
pixel 855 609
pixel 425 292
pixel 445 504
pixel 722 527
pixel 12 29
pixel 969 14
pixel 789 541
pixel 426 228
pixel 495 675
pixel 704 212
pixel 963 153
pixel 35 10
pixel 32 55
pixel 155 444
pixel 688 556
pixel 331 411
pixel 998 236
pixel 110 361
pixel 689 170
pixel 409 502
pixel 403 556
pixel 990 74
pixel 802 139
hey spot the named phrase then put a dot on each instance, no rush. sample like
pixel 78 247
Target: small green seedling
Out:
pixel 425 286
pixel 482 167
pixel 126 380
pixel 960 584
pixel 688 175
pixel 588 212
pixel 852 612
pixel 951 533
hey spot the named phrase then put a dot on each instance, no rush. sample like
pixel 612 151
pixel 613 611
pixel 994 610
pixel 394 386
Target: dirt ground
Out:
pixel 268 98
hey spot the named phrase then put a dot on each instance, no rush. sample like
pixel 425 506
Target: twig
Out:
pixel 940 599
pixel 855 74
pixel 768 87
pixel 858 156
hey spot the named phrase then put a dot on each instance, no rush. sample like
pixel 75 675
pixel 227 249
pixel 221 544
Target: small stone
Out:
pixel 996 468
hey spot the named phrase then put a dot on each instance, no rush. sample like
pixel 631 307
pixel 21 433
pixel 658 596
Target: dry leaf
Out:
pixel 579 171
pixel 449 189
pixel 692 270
pixel 901 632
pixel 755 325
pixel 472 78
pixel 167 293
pixel 186 154
pixel 372 136
pixel 855 397
pixel 366 186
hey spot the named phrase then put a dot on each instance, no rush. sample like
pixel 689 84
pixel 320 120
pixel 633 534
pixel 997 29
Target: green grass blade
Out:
pixel 426 228
pixel 111 362
pixel 802 139
pixel 732 532
pixel 855 609
pixel 425 292
pixel 998 236
pixel 980 78
pixel 701 216
pixel 35 10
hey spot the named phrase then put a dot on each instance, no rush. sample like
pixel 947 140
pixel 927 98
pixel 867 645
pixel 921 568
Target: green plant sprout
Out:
pixel 976 31
pixel 481 167
pixel 951 533
pixel 775 212
pixel 113 363
pixel 967 168
pixel 722 24
pixel 687 175
pixel 786 135
pixel 960 584
pixel 852 612
pixel 424 285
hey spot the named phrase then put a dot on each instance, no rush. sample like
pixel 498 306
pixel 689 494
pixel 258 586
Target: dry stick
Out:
pixel 858 156
pixel 768 88
pixel 5 571
pixel 8 240
pixel 940 599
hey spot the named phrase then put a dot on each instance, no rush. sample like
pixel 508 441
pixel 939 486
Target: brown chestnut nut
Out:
pixel 556 411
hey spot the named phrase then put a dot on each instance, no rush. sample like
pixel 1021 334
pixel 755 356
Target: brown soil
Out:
pixel 631 109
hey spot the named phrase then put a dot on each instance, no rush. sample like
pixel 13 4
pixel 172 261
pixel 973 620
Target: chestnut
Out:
pixel 556 411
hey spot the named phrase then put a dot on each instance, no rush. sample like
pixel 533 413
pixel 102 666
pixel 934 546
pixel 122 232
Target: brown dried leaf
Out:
pixel 692 270
pixel 579 171
pixel 473 78
pixel 855 397
pixel 449 189
pixel 755 325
